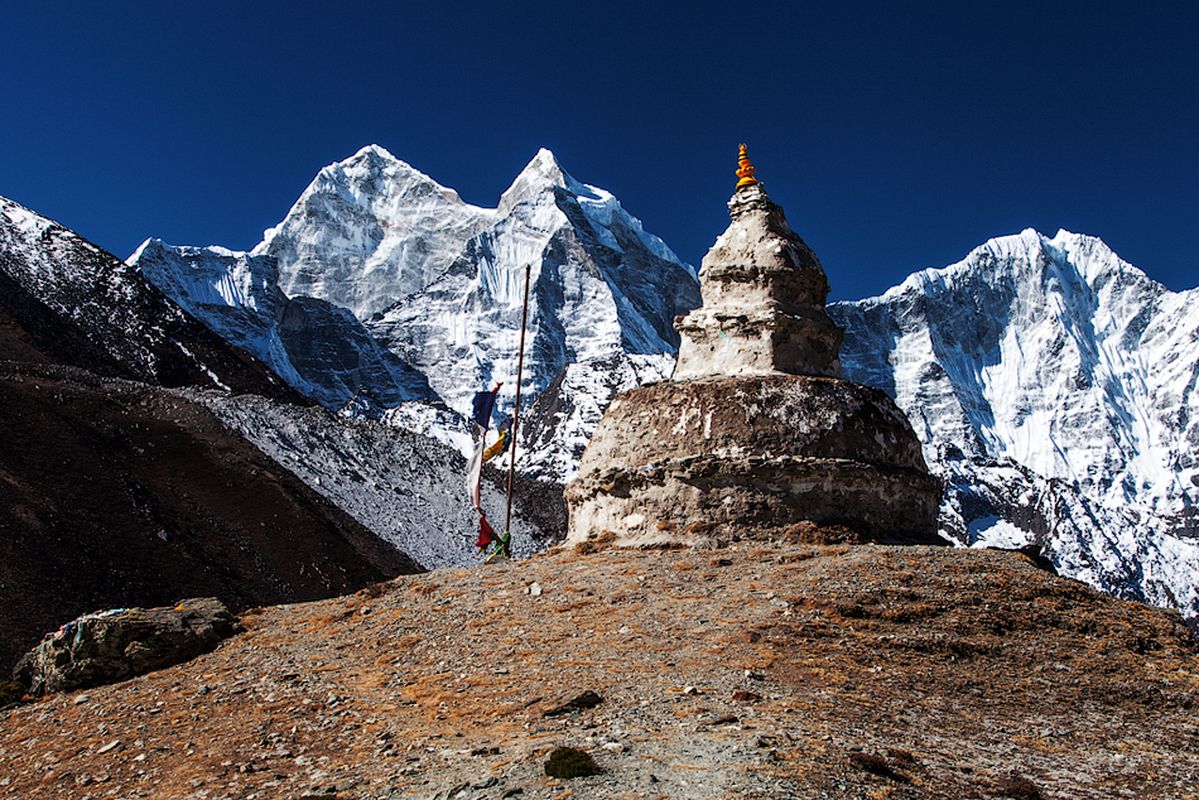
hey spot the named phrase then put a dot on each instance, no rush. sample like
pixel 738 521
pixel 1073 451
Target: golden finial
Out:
pixel 745 170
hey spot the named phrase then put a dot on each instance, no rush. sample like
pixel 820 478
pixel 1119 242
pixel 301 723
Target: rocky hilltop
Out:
pixel 116 493
pixel 761 670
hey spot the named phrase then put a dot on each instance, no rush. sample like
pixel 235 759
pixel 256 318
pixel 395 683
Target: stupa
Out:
pixel 756 433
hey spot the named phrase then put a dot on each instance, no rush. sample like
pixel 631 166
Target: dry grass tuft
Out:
pixel 596 544
pixel 810 533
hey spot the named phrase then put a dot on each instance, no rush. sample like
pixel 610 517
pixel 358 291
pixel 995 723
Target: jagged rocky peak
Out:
pixel 367 230
pixel 756 434
pixel 764 292
pixel 542 172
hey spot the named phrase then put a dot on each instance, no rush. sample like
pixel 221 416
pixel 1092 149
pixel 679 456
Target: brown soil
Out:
pixel 753 671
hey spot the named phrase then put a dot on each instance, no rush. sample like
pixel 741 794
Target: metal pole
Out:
pixel 520 366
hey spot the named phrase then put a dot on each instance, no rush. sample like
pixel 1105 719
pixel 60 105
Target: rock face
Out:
pixel 109 318
pixel 114 645
pixel 756 432
pixel 318 348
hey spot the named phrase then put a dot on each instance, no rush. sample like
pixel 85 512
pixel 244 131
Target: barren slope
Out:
pixel 115 493
pixel 959 673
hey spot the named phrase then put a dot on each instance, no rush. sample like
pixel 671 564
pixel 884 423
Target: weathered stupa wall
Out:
pixel 756 431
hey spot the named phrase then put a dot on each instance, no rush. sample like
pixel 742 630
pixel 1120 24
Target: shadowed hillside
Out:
pixel 114 493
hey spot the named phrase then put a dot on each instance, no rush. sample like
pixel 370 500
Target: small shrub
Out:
pixel 596 544
pixel 1019 788
pixel 875 765
pixel 569 762
pixel 11 692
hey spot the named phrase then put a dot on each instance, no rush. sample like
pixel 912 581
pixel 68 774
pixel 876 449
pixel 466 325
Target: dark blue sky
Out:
pixel 897 135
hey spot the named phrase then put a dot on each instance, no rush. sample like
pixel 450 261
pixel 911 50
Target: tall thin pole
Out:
pixel 520 366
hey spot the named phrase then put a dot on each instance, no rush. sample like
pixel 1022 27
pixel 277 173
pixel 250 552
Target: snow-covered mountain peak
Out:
pixel 319 349
pixel 439 283
pixel 538 180
pixel 1053 384
pixel 373 174
pixel 1066 263
pixel 210 276
pixel 368 230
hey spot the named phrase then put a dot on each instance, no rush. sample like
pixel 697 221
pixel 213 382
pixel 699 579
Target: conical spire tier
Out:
pixel 764 292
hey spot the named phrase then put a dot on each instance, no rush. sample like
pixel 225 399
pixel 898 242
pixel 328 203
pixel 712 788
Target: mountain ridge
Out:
pixel 1047 378
pixel 1053 385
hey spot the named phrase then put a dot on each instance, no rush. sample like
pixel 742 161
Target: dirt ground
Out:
pixel 750 671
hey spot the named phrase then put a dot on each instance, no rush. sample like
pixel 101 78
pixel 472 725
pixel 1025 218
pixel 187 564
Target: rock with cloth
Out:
pixel 120 643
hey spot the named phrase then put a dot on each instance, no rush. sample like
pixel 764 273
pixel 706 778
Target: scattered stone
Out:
pixel 486 783
pixel 109 646
pixel 485 751
pixel 108 748
pixel 587 699
pixel 691 691
pixel 534 589
pixel 11 692
pixel 743 696
pixel 570 762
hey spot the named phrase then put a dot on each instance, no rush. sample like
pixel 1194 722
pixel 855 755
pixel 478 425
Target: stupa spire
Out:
pixel 745 170
pixel 756 432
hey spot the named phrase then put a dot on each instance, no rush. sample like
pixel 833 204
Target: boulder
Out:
pixel 121 643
